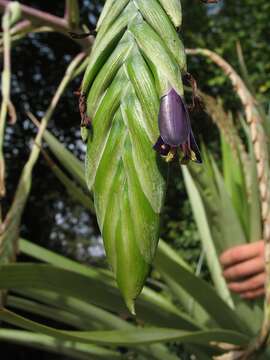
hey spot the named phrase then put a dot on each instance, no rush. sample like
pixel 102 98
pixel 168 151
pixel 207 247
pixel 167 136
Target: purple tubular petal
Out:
pixel 173 119
pixel 162 148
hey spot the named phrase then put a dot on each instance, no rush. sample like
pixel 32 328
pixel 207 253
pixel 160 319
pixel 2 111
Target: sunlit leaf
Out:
pixel 128 337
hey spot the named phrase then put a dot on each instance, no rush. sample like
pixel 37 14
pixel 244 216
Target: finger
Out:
pixel 253 294
pixel 251 284
pixel 244 269
pixel 241 253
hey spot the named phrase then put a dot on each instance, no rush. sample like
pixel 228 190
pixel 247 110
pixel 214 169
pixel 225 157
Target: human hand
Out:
pixel 244 269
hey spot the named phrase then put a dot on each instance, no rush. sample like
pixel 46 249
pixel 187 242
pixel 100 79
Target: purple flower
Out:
pixel 175 130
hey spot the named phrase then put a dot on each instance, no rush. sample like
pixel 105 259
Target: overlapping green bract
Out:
pixel 137 53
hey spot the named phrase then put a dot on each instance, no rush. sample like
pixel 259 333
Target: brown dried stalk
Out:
pixel 259 141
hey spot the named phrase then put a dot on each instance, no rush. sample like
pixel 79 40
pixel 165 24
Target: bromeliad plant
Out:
pixel 127 177
pixel 131 102
pixel 235 208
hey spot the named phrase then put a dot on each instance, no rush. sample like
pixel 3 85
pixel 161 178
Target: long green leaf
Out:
pixel 75 192
pixel 235 183
pixel 225 226
pixel 94 315
pixel 189 304
pixel 48 312
pixel 48 343
pixel 40 253
pixel 87 288
pixel 254 201
pixel 169 263
pixel 72 165
pixel 89 314
pixel 129 337
pixel 222 217
pixel 151 305
pixel 206 237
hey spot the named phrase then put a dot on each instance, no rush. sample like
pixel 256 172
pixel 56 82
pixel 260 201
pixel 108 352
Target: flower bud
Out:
pixel 175 130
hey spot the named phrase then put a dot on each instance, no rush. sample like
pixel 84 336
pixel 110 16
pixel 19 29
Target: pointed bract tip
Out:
pixel 130 303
